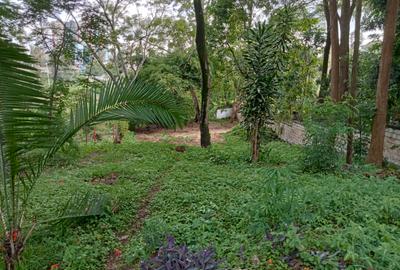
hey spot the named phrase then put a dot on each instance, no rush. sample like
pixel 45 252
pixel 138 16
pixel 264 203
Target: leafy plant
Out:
pixel 172 257
pixel 82 206
pixel 264 59
pixel 276 206
pixel 154 233
pixel 325 128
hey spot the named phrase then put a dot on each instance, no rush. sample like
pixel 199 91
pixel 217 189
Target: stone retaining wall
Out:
pixel 294 133
pixel 392 145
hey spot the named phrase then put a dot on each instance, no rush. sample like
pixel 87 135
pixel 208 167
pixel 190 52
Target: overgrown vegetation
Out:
pixel 326 128
pixel 266 216
pixel 77 75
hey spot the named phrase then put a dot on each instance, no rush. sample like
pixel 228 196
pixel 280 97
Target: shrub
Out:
pixel 325 130
pixel 172 257
pixel 153 234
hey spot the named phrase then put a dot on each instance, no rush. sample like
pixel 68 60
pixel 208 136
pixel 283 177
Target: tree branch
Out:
pixel 91 49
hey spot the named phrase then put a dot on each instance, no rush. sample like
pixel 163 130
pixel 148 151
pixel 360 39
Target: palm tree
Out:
pixel 26 127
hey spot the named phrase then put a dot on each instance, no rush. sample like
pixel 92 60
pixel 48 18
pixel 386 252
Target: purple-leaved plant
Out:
pixel 172 257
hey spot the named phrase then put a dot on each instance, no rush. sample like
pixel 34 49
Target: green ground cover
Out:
pixel 265 216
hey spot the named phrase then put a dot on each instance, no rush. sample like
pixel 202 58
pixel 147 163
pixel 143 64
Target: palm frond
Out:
pixel 24 108
pixel 124 99
pixel 80 207
pixel 25 125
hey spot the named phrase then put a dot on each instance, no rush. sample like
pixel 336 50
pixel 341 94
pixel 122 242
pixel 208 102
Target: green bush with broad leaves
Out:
pixel 326 127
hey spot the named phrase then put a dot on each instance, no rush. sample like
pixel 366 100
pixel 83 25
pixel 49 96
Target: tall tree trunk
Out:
pixel 205 139
pixel 345 14
pixel 195 105
pixel 324 73
pixel 354 73
pixel 335 94
pixel 375 153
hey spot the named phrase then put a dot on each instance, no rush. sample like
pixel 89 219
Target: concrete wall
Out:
pixel 392 145
pixel 294 133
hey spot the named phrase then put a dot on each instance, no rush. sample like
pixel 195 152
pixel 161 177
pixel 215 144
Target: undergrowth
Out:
pixel 269 215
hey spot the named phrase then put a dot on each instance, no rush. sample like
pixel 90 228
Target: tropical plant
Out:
pixel 29 135
pixel 172 257
pixel 264 59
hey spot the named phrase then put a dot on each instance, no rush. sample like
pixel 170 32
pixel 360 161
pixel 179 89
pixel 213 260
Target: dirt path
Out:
pixel 114 260
pixel 187 135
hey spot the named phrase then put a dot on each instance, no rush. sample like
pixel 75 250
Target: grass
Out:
pixel 265 216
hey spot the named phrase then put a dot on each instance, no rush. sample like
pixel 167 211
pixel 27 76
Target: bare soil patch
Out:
pixel 189 135
pixel 110 179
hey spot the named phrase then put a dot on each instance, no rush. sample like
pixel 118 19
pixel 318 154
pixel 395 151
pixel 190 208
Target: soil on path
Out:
pixel 114 260
pixel 188 135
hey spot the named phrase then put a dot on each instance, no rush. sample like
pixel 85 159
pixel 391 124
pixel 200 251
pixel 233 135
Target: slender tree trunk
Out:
pixel 255 143
pixel 56 59
pixel 335 94
pixel 86 135
pixel 116 134
pixel 250 13
pixel 195 105
pixel 94 135
pixel 205 138
pixel 375 153
pixel 344 47
pixel 10 265
pixel 324 73
pixel 235 110
pixel 354 75
pixel 11 255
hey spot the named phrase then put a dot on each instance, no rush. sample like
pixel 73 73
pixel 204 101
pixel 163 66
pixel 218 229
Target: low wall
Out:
pixel 294 133
pixel 392 145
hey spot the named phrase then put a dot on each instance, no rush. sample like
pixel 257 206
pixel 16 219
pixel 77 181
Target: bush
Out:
pixel 153 234
pixel 326 127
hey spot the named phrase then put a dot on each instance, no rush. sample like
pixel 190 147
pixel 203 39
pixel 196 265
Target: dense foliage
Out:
pixel 326 128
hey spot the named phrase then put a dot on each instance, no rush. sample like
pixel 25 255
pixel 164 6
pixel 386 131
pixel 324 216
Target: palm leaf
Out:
pixel 124 99
pixel 24 108
pixel 25 125
pixel 82 206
